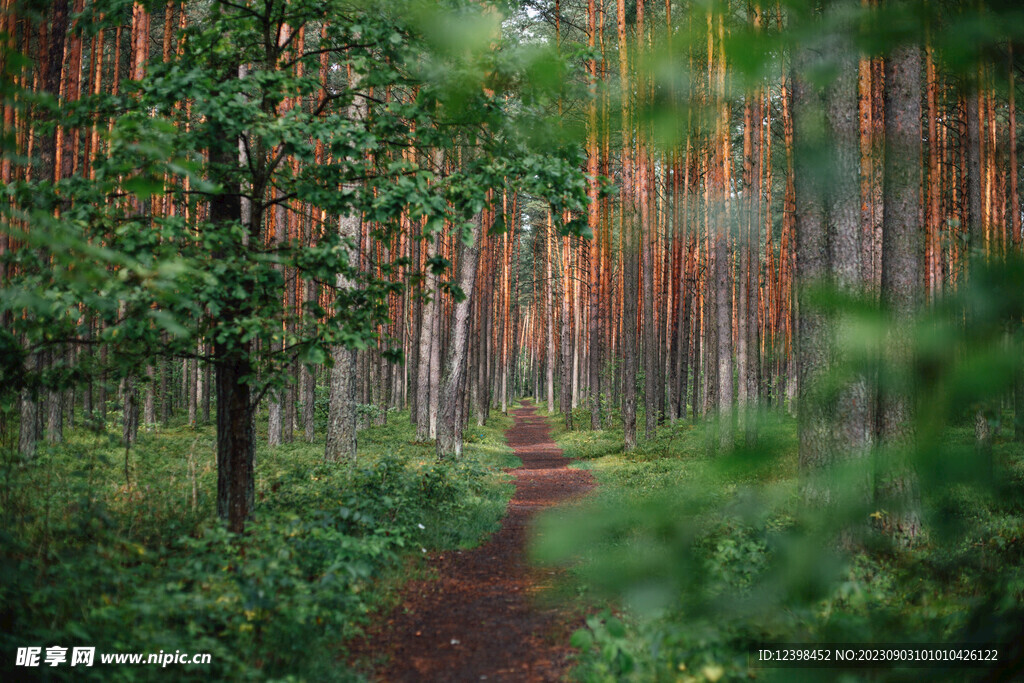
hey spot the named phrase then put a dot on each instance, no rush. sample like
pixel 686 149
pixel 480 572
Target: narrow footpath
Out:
pixel 480 620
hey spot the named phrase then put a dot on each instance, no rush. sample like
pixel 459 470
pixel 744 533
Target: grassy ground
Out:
pixel 691 556
pixel 90 557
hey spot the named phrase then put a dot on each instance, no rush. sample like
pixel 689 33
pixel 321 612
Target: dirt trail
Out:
pixel 479 621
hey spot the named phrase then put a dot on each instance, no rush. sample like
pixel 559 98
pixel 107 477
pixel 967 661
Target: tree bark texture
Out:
pixel 449 423
pixel 902 271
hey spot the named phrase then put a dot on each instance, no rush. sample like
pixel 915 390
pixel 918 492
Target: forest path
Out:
pixel 479 621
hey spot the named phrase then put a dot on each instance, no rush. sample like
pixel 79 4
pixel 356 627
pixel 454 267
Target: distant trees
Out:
pixel 203 229
pixel 332 211
pixel 713 260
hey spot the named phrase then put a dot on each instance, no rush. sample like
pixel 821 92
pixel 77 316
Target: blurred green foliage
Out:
pixel 701 556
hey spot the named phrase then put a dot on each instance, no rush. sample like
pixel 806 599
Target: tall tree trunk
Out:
pixel 28 433
pixel 723 260
pixel 308 382
pixel 129 410
pixel 549 315
pixel 149 400
pixel 902 263
pixel 687 286
pixel 275 408
pixel 55 400
pixel 812 335
pixel 191 378
pixel 435 370
pixel 650 334
pixel 51 71
pixel 628 342
pixel 342 417
pixel 236 437
pixel 1015 232
pixel 852 430
pixel 976 238
pixel 482 310
pixel 236 426
pixel 429 310
pixel 751 379
pixel 593 220
pixel 565 361
pixel 449 424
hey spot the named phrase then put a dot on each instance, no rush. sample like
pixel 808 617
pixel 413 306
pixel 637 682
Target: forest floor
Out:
pixel 483 618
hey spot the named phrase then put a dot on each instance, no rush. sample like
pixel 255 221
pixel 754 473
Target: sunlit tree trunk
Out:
pixel 565 361
pixel 650 334
pixel 593 224
pixel 549 315
pixel 436 345
pixel 449 424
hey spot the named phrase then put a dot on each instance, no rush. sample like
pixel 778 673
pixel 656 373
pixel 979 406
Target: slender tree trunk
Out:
pixel 751 334
pixel 55 401
pixel 976 239
pixel 130 410
pixel 719 193
pixel 593 223
pixel 628 342
pixel 415 333
pixel 28 433
pixel 650 333
pixel 435 369
pixel 191 390
pixel 686 293
pixel 308 382
pixel 165 392
pixel 565 361
pixel 149 400
pixel 549 316
pixel 275 409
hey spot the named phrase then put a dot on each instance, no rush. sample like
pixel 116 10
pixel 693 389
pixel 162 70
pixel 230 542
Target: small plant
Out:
pixel 83 554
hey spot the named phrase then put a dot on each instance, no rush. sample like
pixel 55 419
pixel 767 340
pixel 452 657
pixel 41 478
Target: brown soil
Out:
pixel 480 620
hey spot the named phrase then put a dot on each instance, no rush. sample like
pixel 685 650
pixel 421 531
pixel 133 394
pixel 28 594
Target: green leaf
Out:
pixel 616 628
pixel 143 187
pixel 582 639
pixel 313 355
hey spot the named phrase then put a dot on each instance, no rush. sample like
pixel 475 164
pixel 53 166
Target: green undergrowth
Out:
pixel 689 557
pixel 88 558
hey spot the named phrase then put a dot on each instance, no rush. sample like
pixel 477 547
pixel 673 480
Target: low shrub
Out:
pixel 90 559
